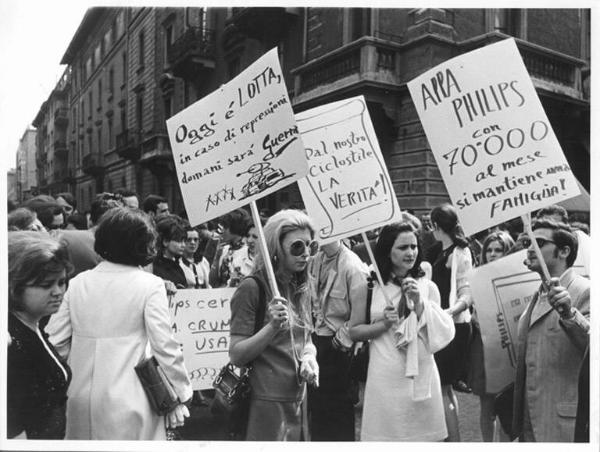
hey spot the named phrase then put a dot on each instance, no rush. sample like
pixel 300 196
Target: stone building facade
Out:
pixel 132 68
pixel 26 168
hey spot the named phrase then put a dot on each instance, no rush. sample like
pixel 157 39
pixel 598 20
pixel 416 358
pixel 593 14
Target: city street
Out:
pixel 202 426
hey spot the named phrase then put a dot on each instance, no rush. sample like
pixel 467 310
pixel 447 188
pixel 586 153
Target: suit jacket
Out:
pixel 549 355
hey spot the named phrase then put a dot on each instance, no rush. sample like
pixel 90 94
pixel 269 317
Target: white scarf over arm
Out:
pixel 436 329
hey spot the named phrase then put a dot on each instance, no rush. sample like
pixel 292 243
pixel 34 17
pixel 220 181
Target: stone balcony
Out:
pixel 368 60
pixel 128 146
pixel 549 70
pixel 91 164
pixel 192 53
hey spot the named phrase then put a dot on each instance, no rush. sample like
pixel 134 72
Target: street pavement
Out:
pixel 203 426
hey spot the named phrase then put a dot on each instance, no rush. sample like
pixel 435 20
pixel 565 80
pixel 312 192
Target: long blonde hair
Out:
pixel 295 288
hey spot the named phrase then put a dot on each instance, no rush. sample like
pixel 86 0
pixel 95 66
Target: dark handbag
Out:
pixel 359 363
pixel 158 388
pixel 232 388
pixel 503 407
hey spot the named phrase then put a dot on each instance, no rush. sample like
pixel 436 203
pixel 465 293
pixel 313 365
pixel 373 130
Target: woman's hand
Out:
pixel 411 291
pixel 309 369
pixel 390 316
pixel 171 288
pixel 278 312
pixel 176 417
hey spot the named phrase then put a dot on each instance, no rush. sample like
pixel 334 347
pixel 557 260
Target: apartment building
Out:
pixel 129 69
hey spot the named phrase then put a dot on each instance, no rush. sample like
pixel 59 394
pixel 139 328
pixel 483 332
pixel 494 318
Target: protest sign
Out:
pixel 347 189
pixel 201 324
pixel 490 136
pixel 237 144
pixel 501 291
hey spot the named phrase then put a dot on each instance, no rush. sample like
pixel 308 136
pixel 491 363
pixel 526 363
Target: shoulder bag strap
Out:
pixel 369 297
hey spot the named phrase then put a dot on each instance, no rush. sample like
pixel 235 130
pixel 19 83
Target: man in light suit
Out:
pixel 552 338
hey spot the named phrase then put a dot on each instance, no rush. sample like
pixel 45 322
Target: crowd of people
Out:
pixel 88 299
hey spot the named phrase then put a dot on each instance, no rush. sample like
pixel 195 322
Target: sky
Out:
pixel 34 36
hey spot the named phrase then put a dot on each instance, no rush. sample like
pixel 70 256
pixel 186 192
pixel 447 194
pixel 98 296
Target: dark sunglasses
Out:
pixel 298 247
pixel 541 242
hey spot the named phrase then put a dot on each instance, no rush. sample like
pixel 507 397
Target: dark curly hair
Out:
pixel 126 236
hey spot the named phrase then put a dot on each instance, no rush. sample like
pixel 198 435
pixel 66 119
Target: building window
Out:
pixel 89 150
pixel 141 49
pixel 82 112
pixel 91 101
pixel 360 23
pixel 120 24
pixel 110 133
pixel 508 21
pixel 108 40
pixel 233 67
pixel 99 94
pixel 168 42
pixel 124 60
pixel 111 81
pixel 139 112
pixel 99 134
pixel 123 120
pixel 168 102
pixel 88 67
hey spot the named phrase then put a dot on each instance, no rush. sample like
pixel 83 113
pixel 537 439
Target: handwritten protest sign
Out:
pixel 501 291
pixel 348 189
pixel 201 324
pixel 491 139
pixel 237 144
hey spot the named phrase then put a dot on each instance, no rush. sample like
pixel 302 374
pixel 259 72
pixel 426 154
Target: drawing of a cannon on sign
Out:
pixel 262 177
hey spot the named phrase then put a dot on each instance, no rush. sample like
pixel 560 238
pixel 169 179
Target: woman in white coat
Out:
pixel 109 316
pixel 403 396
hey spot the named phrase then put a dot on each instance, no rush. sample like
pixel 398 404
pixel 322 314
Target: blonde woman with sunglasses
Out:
pixel 281 352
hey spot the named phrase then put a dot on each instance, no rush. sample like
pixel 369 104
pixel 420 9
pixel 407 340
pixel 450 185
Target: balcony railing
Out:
pixel 60 148
pixel 128 146
pixel 192 52
pixel 61 116
pixel 367 59
pixel 549 69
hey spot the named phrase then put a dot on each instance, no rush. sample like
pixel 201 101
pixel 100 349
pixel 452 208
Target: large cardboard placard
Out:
pixel 237 144
pixel 491 139
pixel 501 291
pixel 347 189
pixel 201 324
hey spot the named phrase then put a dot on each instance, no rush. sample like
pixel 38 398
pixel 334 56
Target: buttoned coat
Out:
pixel 549 354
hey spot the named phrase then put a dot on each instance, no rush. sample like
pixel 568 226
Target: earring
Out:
pixel 274 259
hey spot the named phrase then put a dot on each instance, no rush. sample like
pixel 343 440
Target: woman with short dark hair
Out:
pixel 37 378
pixel 110 316
pixel 172 233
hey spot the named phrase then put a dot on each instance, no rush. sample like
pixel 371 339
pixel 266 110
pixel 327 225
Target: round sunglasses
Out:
pixel 298 247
